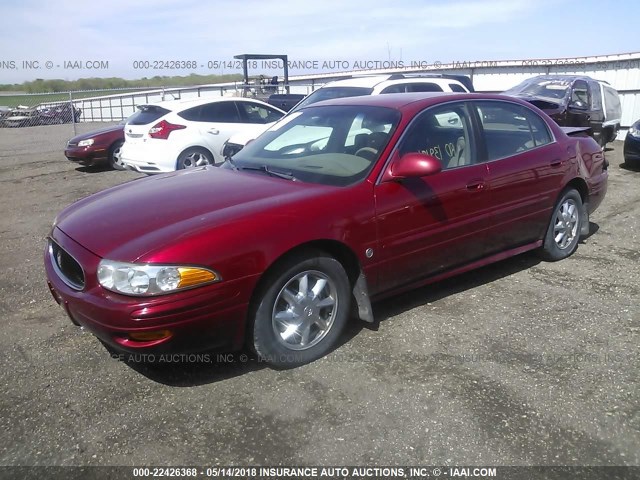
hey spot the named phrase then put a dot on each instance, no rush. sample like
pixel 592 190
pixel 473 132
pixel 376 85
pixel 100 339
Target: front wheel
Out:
pixel 302 312
pixel 563 232
pixel 194 157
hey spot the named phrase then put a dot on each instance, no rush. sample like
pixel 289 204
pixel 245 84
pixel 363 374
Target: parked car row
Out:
pixel 364 85
pixel 40 115
pixel 344 202
pixel 178 134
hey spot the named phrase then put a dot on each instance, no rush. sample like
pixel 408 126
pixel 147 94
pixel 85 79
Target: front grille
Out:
pixel 66 266
pixel 70 144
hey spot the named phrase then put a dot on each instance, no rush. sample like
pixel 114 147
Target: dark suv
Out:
pixel 575 101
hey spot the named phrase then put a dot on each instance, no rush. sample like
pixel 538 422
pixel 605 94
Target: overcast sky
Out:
pixel 122 32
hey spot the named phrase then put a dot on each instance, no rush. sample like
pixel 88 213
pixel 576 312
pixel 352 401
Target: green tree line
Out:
pixel 46 86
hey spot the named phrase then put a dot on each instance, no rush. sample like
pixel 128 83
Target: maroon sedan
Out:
pixel 99 147
pixel 337 205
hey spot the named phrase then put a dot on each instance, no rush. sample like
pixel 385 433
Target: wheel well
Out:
pixel 335 249
pixel 196 147
pixel 114 143
pixel 581 186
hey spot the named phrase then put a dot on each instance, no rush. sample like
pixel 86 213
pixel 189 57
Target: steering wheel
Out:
pixel 367 152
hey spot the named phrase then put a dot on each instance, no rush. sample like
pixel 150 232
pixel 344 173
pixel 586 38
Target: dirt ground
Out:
pixel 520 363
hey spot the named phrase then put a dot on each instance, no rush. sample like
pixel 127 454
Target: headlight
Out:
pixel 145 280
pixel 634 131
pixel 230 149
pixel 85 143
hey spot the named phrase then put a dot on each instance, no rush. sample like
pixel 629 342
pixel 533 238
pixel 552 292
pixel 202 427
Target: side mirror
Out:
pixel 414 164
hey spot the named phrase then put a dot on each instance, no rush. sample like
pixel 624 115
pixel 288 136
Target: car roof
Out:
pixel 400 101
pixel 375 80
pixel 194 102
pixel 364 81
pixel 569 78
pixel 561 77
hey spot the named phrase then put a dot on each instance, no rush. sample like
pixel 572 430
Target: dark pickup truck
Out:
pixel 575 101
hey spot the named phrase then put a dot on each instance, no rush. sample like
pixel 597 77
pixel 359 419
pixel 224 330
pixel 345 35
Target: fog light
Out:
pixel 150 336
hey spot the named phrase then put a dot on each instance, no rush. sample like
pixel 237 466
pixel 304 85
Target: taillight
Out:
pixel 163 129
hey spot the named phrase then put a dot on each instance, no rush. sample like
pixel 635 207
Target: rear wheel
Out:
pixel 194 157
pixel 303 310
pixel 115 152
pixel 563 233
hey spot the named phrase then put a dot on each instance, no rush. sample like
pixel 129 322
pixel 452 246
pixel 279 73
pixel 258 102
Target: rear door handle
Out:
pixel 475 185
pixel 213 131
pixel 556 162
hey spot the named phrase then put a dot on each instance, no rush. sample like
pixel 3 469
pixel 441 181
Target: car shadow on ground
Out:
pixel 631 167
pixel 393 306
pixel 205 368
pixel 94 169
pixel 190 370
pixel 593 229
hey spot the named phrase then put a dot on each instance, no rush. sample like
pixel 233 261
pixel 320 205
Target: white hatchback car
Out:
pixel 177 134
pixel 364 85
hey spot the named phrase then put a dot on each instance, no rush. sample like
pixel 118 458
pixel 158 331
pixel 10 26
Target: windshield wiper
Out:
pixel 261 168
pixel 268 171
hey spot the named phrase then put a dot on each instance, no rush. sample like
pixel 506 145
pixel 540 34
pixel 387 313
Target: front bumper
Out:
pixel 206 318
pixel 87 155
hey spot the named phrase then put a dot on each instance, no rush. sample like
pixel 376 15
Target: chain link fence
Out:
pixel 77 108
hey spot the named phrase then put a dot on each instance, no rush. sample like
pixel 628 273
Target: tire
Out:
pixel 194 157
pixel 114 156
pixel 563 232
pixel 604 138
pixel 308 296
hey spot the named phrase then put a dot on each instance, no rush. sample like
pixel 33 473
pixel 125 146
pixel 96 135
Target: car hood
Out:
pixel 100 131
pixel 128 221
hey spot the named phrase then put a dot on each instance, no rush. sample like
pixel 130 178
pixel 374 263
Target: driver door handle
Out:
pixel 213 131
pixel 475 185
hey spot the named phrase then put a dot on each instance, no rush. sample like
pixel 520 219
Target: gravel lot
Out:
pixel 519 363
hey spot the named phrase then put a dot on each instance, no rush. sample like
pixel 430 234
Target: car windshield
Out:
pixel 329 93
pixel 541 87
pixel 331 145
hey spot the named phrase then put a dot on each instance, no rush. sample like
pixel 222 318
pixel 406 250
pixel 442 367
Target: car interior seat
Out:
pixel 460 156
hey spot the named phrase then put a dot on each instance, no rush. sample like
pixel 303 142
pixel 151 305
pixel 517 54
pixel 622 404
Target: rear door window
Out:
pixel 424 87
pixel 398 88
pixel 255 113
pixel 216 112
pixel 510 129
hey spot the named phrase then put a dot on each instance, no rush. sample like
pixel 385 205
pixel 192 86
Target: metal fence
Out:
pixel 96 106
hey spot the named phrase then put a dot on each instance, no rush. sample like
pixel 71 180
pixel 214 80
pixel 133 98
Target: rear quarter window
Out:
pixel 510 129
